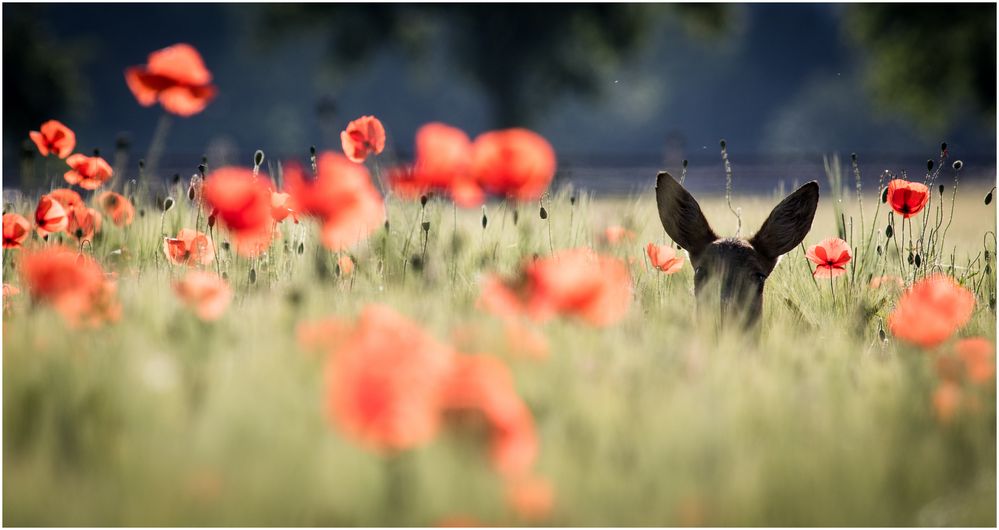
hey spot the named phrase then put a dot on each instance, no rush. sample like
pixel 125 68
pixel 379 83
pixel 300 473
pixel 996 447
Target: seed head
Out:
pixel 167 204
pixel 941 188
pixel 889 231
pixel 253 275
pixel 301 248
pixel 929 165
pixel 957 165
pixel 426 226
pixel 423 200
pixel 988 198
pixel 684 163
pixel 884 195
pixel 258 157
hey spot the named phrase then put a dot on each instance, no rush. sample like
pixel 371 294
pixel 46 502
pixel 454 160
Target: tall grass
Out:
pixel 161 419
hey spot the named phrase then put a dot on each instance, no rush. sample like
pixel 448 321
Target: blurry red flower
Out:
pixel 384 381
pixel 16 230
pixel 531 498
pixel 74 284
pixel 525 339
pixel 616 234
pixel 341 196
pixel 830 257
pixel 8 292
pixel 514 163
pixel 946 399
pixel 907 198
pixel 88 172
pixel 581 283
pixel 243 203
pixel 117 207
pixel 83 223
pixel 483 384
pixel 205 293
pixel 664 258
pixel 68 198
pixel 50 216
pixel 345 264
pixel 282 206
pixel 443 163
pixel 175 76
pixel 978 356
pixel 54 138
pixel 931 311
pixel 190 247
pixel 363 136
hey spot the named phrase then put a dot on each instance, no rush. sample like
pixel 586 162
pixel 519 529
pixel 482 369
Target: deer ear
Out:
pixel 788 224
pixel 681 216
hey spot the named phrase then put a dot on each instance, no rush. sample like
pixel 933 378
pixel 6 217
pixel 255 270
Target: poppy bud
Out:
pixel 312 150
pixel 202 169
pixel 853 157
pixel 919 261
pixel 941 189
pixel 426 226
pixel 881 334
pixel 943 147
pixel 988 268
pixel 190 192
pixel 97 152
pixel 386 225
pixel 142 212
pixel 258 157
pixel 957 165
pixel 294 297
pixel 992 303
pixel 516 217
pixel 884 196
pixel 909 258
pixel 225 245
pixel 142 164
pixel 544 213
pixel 929 165
pixel 572 198
pixel 684 163
pixel 880 250
pixel 988 198
pixel 485 220
pixel 722 143
pixel 301 247
pixel 889 231
pixel 423 200
pixel 176 178
pixel 253 275
pixel 78 233
pixel 337 270
pixel 417 263
pixel 211 220
pixel 167 204
pixel 225 275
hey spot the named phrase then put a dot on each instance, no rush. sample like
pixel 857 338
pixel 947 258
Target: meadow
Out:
pixel 822 417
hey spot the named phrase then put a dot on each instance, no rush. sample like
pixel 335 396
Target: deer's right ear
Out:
pixel 681 216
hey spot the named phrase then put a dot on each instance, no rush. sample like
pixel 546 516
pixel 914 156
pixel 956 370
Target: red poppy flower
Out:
pixel 341 196
pixel 515 163
pixel 16 230
pixel 483 384
pixel 89 172
pixel 525 339
pixel 532 498
pixel 175 76
pixel 443 163
pixel 83 223
pixel 190 247
pixel 978 356
pixel 282 206
pixel 50 216
pixel 384 381
pixel 581 283
pixel 907 198
pixel 363 136
pixel 68 198
pixel 117 207
pixel 205 293
pixel 74 284
pixel 830 257
pixel 54 138
pixel 931 311
pixel 946 400
pixel 664 258
pixel 242 202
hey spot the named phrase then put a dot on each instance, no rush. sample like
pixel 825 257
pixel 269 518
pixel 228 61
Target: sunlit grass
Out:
pixel 161 419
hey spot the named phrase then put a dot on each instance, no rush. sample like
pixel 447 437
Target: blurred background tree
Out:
pixel 930 61
pixel 524 57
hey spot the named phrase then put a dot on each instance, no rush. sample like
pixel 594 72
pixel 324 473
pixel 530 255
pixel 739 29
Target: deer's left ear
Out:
pixel 788 224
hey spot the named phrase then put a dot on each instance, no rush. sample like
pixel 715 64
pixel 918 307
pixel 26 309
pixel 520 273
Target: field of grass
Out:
pixel 162 419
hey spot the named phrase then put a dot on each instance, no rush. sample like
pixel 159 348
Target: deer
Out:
pixel 734 267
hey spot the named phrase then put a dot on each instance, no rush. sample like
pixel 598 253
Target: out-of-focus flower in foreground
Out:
pixel 205 293
pixel 83 223
pixel 931 311
pixel 514 163
pixel 531 498
pixel 888 280
pixel 54 138
pixel 362 137
pixel 617 234
pixel 341 196
pixel 117 207
pixel 174 76
pixel 88 172
pixel 443 164
pixel 664 258
pixel 74 284
pixel 830 257
pixel 68 198
pixel 979 358
pixel 243 203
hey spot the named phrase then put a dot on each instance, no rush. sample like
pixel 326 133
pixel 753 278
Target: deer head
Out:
pixel 734 268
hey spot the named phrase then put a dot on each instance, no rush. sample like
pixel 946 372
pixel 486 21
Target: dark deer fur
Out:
pixel 737 267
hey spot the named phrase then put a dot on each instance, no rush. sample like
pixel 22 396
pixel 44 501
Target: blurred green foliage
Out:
pixel 929 61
